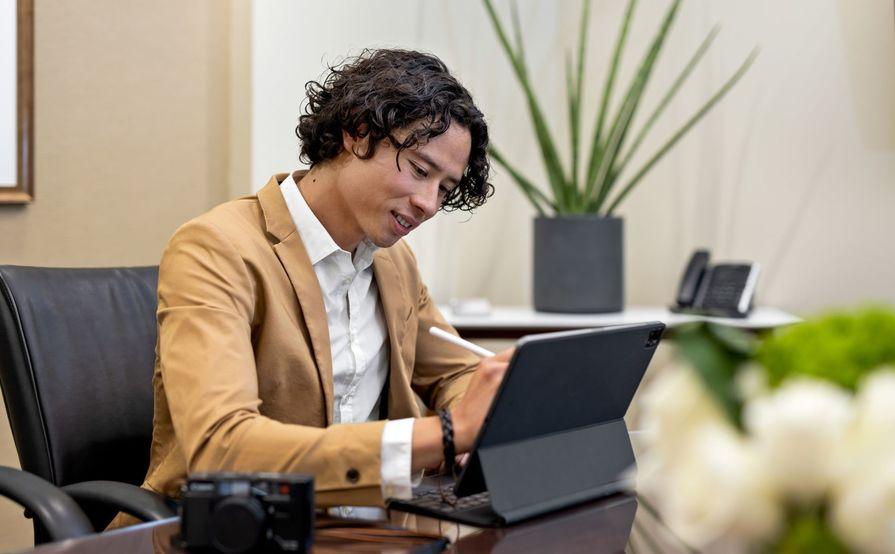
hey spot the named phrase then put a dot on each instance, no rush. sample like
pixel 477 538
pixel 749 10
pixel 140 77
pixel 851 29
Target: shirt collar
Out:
pixel 317 240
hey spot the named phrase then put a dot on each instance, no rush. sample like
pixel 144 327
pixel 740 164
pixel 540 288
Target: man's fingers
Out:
pixel 493 369
pixel 505 355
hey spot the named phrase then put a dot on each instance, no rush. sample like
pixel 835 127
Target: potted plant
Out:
pixel 578 236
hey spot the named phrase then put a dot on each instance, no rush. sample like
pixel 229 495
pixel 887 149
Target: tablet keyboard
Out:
pixel 432 500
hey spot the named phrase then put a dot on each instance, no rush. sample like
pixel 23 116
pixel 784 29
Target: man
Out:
pixel 291 322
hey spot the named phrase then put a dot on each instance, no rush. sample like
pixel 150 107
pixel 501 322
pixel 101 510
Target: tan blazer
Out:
pixel 243 374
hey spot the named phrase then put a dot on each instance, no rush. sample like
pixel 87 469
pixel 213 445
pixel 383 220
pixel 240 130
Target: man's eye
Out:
pixel 419 170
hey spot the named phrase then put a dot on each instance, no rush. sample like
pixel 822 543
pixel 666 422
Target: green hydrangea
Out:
pixel 840 347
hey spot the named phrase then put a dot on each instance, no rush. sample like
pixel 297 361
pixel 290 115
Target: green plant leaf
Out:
pixel 715 363
pixel 681 79
pixel 601 180
pixel 555 173
pixel 682 131
pixel 808 531
pixel 626 114
pixel 575 85
pixel 535 196
pixel 597 137
pixel 735 339
pixel 575 123
pixel 574 111
pixel 517 33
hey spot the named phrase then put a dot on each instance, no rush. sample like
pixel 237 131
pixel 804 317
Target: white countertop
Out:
pixel 520 317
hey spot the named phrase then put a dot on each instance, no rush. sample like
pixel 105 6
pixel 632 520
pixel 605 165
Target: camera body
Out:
pixel 243 512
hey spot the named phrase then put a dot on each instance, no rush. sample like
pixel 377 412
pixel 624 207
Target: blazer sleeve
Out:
pixel 441 372
pixel 207 304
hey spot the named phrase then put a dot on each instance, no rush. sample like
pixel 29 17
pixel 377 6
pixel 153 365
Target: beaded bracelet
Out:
pixel 447 440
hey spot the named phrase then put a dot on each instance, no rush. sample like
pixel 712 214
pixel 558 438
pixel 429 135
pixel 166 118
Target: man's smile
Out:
pixel 405 224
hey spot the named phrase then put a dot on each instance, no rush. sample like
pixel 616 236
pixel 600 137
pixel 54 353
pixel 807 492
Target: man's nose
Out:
pixel 426 200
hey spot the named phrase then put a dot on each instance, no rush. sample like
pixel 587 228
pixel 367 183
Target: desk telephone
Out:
pixel 721 290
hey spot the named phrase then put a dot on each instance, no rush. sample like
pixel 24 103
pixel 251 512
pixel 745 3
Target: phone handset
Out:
pixel 686 294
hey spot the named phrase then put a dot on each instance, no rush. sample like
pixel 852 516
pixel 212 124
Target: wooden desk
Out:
pixel 613 524
pixel 512 322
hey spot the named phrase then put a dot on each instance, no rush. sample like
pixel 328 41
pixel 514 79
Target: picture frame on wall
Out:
pixel 16 101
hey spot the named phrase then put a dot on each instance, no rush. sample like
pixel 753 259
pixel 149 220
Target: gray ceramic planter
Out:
pixel 578 264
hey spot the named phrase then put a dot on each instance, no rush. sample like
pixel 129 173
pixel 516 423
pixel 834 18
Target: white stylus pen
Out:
pixel 474 348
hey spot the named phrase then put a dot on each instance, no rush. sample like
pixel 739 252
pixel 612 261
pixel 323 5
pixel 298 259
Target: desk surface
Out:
pixel 516 321
pixel 613 524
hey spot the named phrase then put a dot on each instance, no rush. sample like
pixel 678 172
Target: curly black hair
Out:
pixel 380 91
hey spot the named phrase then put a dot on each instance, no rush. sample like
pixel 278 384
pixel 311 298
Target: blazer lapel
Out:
pixel 397 309
pixel 292 254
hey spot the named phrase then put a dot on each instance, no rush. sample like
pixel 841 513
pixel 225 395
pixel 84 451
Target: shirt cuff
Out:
pixel 395 458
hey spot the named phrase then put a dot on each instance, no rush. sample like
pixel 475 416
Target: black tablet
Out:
pixel 557 383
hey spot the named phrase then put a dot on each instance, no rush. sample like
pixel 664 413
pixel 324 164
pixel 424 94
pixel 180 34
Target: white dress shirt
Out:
pixel 358 338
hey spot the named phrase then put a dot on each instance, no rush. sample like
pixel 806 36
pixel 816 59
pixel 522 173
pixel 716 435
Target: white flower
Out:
pixel 796 432
pixel 863 512
pixel 676 404
pixel 719 490
pixel 863 503
pixel 874 416
pixel 699 469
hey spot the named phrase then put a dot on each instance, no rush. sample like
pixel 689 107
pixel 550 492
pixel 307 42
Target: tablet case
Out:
pixel 586 381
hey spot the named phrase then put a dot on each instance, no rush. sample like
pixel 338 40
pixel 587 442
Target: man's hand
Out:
pixel 467 415
pixel 470 412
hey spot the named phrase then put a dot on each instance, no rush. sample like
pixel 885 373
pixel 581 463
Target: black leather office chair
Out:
pixel 56 514
pixel 77 348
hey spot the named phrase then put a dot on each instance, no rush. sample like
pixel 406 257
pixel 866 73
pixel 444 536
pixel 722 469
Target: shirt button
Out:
pixel 352 475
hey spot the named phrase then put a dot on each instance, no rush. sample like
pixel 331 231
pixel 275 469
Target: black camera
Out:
pixel 240 512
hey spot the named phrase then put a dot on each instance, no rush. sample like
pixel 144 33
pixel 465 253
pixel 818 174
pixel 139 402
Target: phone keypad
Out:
pixel 724 287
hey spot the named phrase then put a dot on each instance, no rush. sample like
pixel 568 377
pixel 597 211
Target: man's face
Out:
pixel 384 203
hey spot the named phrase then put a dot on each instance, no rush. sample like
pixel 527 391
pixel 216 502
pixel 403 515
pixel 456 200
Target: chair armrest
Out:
pixel 143 504
pixel 56 511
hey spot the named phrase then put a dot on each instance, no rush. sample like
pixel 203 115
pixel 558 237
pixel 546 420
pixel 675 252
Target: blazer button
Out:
pixel 352 475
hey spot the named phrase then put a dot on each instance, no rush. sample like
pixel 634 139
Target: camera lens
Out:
pixel 237 524
pixel 654 337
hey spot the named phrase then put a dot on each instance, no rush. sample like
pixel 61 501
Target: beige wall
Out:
pixel 130 130
pixel 131 140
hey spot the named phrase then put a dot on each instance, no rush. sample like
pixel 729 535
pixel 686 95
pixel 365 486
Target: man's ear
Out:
pixel 356 145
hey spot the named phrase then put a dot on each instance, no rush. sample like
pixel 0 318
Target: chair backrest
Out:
pixel 77 348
